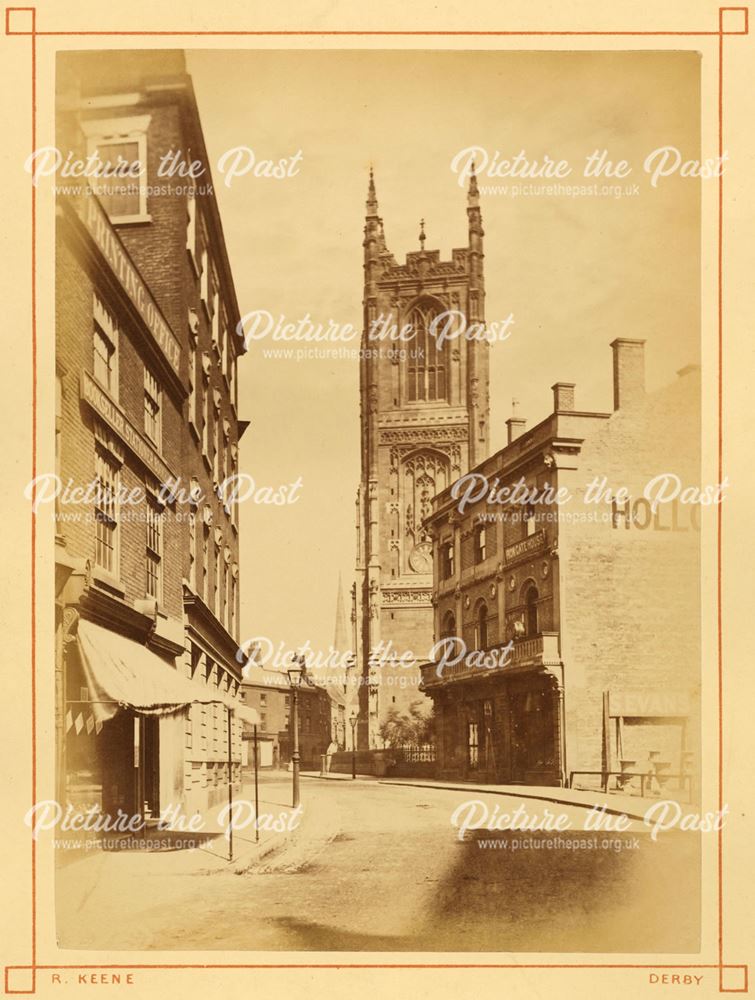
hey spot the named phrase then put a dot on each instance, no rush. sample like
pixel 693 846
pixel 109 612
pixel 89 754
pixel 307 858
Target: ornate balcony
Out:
pixel 536 652
pixel 539 650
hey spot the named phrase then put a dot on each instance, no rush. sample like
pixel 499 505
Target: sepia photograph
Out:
pixel 378 498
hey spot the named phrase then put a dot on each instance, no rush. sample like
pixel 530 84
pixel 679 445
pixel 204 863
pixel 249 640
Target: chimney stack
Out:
pixel 628 371
pixel 515 424
pixel 563 396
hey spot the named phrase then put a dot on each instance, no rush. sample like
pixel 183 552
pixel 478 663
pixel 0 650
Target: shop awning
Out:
pixel 122 673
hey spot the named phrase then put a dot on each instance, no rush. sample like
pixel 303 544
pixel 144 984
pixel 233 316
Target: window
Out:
pixel 107 476
pixel 105 349
pixel 120 145
pixel 206 424
pixel 225 450
pixel 225 347
pixel 232 380
pixel 530 519
pixel 152 410
pixel 192 550
pixel 480 544
pixel 215 311
pixel 530 613
pixel 205 562
pixel 263 698
pixel 481 626
pixel 234 599
pixel 263 721
pixel 427 368
pixel 192 386
pixel 228 598
pixel 216 583
pixel 154 551
pixel 218 459
pixel 191 224
pixel 193 322
pixel 204 271
pixel 104 359
pixel 447 559
pixel 448 631
pixel 473 745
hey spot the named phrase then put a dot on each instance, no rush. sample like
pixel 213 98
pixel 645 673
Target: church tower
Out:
pixel 424 422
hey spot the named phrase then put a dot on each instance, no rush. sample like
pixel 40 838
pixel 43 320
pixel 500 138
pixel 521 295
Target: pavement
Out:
pixel 377 865
pixel 614 803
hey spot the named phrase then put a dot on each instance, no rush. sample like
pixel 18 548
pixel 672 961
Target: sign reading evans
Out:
pixel 94 218
pixel 650 704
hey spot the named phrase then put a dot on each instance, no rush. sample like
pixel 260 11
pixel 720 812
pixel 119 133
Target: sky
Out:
pixel 575 272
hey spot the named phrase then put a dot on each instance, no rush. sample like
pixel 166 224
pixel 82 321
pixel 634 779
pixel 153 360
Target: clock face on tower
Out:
pixel 421 558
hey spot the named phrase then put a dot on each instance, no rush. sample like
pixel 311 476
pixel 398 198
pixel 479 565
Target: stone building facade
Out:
pixel 146 364
pixel 572 618
pixel 424 421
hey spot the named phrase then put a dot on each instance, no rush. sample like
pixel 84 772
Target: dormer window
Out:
pixel 120 146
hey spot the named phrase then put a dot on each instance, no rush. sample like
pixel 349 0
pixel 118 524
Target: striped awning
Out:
pixel 122 673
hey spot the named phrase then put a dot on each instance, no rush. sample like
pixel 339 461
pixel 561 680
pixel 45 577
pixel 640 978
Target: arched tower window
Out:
pixel 423 475
pixel 427 367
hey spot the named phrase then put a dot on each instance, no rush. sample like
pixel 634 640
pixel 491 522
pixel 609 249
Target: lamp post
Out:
pixel 353 716
pixel 295 673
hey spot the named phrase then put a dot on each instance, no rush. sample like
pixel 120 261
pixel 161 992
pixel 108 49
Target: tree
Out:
pixel 413 727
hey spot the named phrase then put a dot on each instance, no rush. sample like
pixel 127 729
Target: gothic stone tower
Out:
pixel 424 422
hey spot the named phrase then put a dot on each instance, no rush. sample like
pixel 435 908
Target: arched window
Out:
pixel 448 629
pixel 423 475
pixel 530 611
pixel 427 368
pixel 481 626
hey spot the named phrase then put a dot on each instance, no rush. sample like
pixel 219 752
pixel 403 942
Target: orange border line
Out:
pixel 33 497
pixel 33 33
pixel 719 512
pixel 609 34
pixel 391 965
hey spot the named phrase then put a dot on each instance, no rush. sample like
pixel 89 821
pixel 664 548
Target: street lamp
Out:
pixel 295 675
pixel 353 716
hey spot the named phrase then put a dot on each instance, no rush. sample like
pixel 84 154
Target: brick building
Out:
pixel 315 727
pixel 424 421
pixel 268 692
pixel 587 612
pixel 147 575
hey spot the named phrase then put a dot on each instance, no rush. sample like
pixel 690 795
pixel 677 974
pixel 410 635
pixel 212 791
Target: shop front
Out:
pixel 501 729
pixel 124 720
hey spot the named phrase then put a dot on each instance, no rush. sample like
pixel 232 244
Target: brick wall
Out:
pixel 630 611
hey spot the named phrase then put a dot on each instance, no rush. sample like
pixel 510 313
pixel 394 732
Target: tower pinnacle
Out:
pixel 371 204
pixel 474 191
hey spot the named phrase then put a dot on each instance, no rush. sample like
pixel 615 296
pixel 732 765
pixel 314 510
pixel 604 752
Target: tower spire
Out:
pixel 422 236
pixel 371 204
